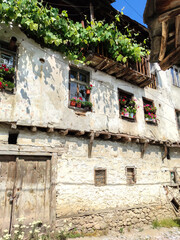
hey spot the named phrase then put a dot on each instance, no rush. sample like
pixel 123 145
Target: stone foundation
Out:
pixel 116 219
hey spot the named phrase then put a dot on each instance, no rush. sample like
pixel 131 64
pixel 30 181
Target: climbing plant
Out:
pixel 57 31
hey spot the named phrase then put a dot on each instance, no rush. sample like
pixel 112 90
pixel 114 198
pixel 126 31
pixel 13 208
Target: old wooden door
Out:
pixel 7 181
pixel 28 179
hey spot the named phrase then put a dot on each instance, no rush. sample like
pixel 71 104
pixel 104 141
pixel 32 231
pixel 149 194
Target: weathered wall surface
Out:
pixel 41 96
pixel 81 204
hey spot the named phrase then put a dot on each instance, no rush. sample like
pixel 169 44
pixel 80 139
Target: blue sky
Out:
pixel 132 8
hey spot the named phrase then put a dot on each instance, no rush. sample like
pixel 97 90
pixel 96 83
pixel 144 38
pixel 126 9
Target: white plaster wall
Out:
pixel 41 96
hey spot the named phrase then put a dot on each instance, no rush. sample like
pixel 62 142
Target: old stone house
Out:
pixel 86 168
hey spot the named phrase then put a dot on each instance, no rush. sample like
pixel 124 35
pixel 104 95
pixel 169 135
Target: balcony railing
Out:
pixel 137 73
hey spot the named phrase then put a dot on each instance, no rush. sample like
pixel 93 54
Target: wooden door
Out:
pixel 28 178
pixel 7 181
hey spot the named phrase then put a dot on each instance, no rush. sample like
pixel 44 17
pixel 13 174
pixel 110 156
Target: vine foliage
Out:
pixel 55 30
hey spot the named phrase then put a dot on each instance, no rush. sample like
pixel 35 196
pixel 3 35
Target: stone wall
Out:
pixel 116 219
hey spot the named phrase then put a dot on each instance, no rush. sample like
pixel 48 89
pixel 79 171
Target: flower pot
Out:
pixel 78 105
pixel 122 113
pixel 126 114
pixel 154 120
pixel 131 115
pixel 88 91
pixel 73 103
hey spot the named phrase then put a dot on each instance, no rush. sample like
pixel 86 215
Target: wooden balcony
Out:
pixel 137 73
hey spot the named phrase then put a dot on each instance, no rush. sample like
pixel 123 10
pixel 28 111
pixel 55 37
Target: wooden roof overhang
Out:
pixel 118 70
pixel 163 20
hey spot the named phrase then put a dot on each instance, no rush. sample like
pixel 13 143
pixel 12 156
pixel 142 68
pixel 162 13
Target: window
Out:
pixel 131 175
pixel 78 83
pixel 7 63
pixel 149 111
pixel 178 119
pixel 127 105
pixel 175 72
pixel 100 177
pixel 173 176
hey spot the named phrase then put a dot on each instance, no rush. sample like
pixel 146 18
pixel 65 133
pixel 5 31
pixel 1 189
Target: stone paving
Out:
pixel 141 234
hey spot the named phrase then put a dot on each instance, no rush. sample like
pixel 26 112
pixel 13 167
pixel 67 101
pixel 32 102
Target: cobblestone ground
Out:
pixel 141 234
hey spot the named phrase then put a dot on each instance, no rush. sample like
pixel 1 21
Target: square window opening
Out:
pixel 7 64
pixel 100 177
pixel 149 111
pixel 131 175
pixel 178 118
pixel 79 82
pixel 127 105
pixel 12 139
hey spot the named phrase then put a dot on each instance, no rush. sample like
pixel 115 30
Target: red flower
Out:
pixel 123 100
pixel 6 85
pixel 6 69
pixel 91 85
pixel 4 65
pixel 1 68
pixel 80 98
pixel 1 85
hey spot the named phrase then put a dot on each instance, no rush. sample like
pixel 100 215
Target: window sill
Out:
pixel 128 118
pixel 9 91
pixel 80 109
pixel 148 121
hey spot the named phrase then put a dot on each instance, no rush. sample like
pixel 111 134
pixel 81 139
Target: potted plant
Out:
pixel 126 112
pixel 122 112
pixel 73 102
pixel 123 101
pixel 78 102
pixel 6 77
pixel 88 89
pixel 87 105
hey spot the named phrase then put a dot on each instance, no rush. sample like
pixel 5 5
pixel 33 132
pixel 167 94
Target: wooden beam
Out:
pixel 106 135
pixel 96 135
pixel 34 129
pixel 63 132
pixel 50 130
pixel 171 59
pixel 165 152
pixel 171 14
pixel 126 139
pixel 116 137
pixel 113 69
pixel 122 72
pixel 101 64
pixel 90 144
pixel 80 133
pixel 177 29
pixel 143 148
pixel 164 38
pixel 13 126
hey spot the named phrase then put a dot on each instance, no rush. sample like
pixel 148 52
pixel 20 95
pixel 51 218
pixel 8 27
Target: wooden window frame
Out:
pixel 134 175
pixel 175 77
pixel 177 121
pixel 151 102
pixel 105 177
pixel 175 177
pixel 4 50
pixel 130 96
pixel 78 71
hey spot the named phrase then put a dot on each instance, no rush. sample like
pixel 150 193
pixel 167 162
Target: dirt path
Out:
pixel 146 233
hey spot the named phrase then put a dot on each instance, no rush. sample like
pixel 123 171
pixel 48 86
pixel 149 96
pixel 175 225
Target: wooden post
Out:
pixel 91 12
pixel 90 145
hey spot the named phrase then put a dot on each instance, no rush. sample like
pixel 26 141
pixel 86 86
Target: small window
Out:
pixel 173 176
pixel 178 118
pixel 7 64
pixel 79 87
pixel 131 175
pixel 100 177
pixel 149 111
pixel 12 139
pixel 127 105
pixel 175 72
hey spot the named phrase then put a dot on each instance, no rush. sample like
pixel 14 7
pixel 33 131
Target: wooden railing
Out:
pixel 142 67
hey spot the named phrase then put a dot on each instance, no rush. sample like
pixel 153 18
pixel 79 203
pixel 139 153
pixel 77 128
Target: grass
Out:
pixel 167 223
